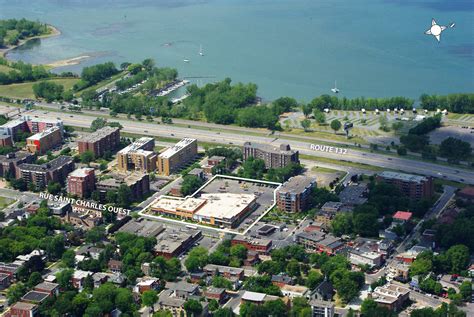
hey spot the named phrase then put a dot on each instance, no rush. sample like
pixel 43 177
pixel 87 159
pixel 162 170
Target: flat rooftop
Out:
pixel 51 165
pixel 177 147
pixel 282 149
pixel 137 146
pixel 99 134
pixel 143 227
pixel 44 133
pixel 297 184
pixel 225 205
pixel 403 177
pixel 81 172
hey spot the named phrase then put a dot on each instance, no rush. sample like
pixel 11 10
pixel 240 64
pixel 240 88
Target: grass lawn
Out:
pixel 321 169
pixel 342 162
pixel 25 90
pixel 4 202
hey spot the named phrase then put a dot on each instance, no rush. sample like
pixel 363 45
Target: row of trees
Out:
pixel 91 75
pixel 22 72
pixel 332 102
pixel 13 30
pixel 255 169
pixel 458 103
pixel 51 91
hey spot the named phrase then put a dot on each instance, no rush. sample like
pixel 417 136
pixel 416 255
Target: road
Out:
pixel 237 138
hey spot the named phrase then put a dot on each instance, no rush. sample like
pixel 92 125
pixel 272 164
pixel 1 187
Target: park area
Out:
pixel 25 90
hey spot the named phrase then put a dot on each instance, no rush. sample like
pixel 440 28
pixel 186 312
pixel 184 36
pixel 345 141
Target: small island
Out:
pixel 14 33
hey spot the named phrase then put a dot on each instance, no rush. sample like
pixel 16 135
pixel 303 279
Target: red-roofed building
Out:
pixel 402 216
pixel 467 193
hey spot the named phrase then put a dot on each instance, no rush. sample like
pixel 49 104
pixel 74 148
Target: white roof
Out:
pixel 81 172
pixel 177 147
pixel 253 296
pixel 42 134
pixel 224 205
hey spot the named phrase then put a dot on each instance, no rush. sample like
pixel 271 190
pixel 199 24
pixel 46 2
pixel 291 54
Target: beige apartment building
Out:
pixel 138 156
pixel 176 156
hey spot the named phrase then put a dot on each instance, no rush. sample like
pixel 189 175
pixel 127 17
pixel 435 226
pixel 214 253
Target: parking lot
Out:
pixel 263 191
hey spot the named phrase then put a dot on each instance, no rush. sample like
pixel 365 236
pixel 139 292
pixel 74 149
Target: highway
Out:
pixel 234 137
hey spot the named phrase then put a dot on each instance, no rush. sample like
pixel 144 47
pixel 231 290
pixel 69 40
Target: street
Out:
pixel 238 138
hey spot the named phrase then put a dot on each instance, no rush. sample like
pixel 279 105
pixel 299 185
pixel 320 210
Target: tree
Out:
pixel 64 279
pixel 369 308
pixel 238 251
pixel 87 157
pixel 69 258
pixel 193 307
pixel 458 256
pixel 54 188
pixel 336 125
pixel 213 305
pixel 383 122
pixel 422 265
pixel 455 149
pixel 95 234
pixel 190 184
pixel 16 292
pixel 306 124
pixel 124 196
pixel 306 110
pixel 104 296
pixel 124 300
pixel 319 116
pixel 98 123
pixel 366 224
pixel 196 259
pixel 402 151
pixel 342 224
pixel 35 279
pixel 149 298
pixel 465 289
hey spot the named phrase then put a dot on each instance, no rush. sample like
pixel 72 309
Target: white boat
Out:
pixel 200 50
pixel 335 90
pixel 186 60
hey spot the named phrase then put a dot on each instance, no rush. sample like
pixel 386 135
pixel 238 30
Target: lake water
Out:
pixel 288 48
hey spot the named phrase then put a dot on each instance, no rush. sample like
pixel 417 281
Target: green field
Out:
pixel 25 90
pixel 4 202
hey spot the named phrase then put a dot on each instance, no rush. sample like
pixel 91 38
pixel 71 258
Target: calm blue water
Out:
pixel 293 47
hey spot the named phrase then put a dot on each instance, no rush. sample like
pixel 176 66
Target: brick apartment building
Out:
pixel 103 140
pixel 295 194
pixel 138 156
pixel 413 186
pixel 30 125
pixel 42 142
pixel 274 157
pixel 40 176
pixel 9 162
pixel 261 246
pixel 81 182
pixel 177 156
pixel 139 184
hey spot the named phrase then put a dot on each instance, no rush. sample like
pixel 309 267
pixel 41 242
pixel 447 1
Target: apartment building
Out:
pixel 81 182
pixel 413 186
pixel 274 157
pixel 138 156
pixel 103 140
pixel 9 162
pixel 39 176
pixel 177 156
pixel 295 194
pixel 42 142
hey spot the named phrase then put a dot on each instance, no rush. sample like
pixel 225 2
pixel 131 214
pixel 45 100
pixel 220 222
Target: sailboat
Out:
pixel 200 50
pixel 186 60
pixel 335 90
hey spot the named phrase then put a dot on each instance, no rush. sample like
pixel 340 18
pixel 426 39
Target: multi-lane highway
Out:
pixel 238 138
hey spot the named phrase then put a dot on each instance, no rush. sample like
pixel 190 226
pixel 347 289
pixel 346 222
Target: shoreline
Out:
pixel 54 32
